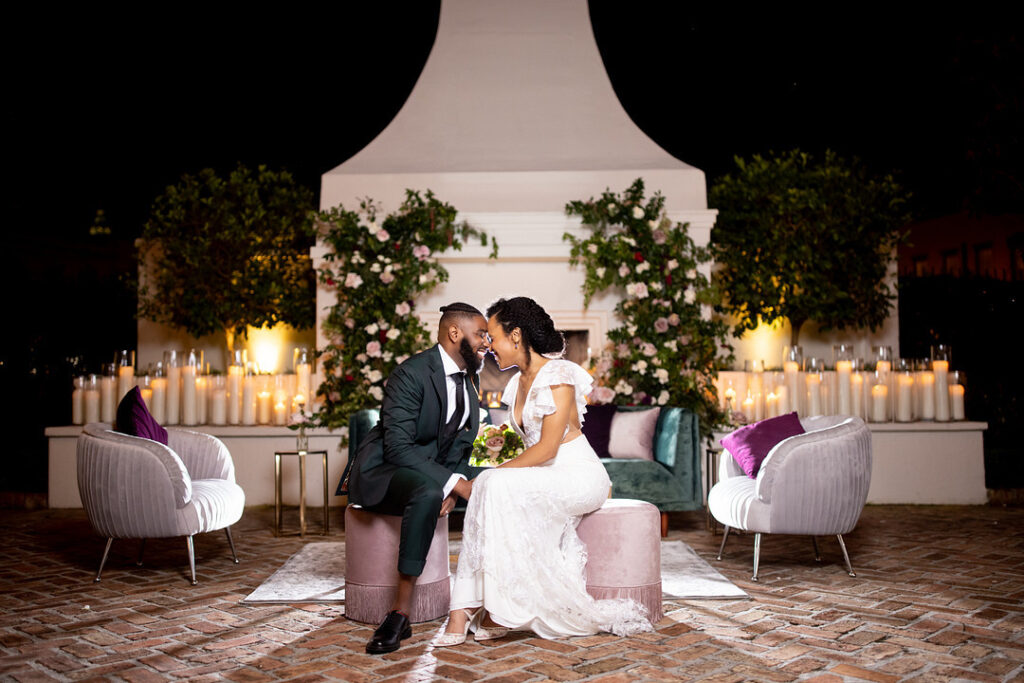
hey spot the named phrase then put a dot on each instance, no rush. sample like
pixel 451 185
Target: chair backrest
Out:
pixel 818 482
pixel 359 425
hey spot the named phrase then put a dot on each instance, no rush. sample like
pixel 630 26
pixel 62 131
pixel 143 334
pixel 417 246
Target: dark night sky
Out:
pixel 105 117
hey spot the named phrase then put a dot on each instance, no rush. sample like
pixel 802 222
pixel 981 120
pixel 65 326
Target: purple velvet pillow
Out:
pixel 133 418
pixel 751 444
pixel 597 427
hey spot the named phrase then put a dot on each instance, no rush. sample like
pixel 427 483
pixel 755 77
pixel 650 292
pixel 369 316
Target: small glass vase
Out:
pixel 302 440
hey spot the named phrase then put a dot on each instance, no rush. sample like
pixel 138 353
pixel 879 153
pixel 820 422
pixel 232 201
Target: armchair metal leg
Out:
pixel 191 559
pixel 231 542
pixel 846 556
pixel 725 537
pixel 757 554
pixel 142 547
pixel 103 560
pixel 817 553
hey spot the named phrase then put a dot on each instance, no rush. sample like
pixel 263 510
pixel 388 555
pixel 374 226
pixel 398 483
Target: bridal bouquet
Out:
pixel 494 444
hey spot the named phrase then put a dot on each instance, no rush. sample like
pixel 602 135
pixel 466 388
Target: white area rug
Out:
pixel 315 574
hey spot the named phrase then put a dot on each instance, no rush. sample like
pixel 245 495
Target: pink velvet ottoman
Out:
pixel 623 541
pixel 371 569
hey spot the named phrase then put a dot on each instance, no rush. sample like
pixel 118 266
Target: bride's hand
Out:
pixel 448 504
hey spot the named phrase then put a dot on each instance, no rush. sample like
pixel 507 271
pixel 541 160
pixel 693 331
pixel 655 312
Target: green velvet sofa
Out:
pixel 672 481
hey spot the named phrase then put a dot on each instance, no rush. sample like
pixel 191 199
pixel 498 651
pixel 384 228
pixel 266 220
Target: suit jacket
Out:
pixel 411 423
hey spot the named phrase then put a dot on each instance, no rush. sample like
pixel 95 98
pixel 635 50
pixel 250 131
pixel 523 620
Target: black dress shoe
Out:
pixel 389 634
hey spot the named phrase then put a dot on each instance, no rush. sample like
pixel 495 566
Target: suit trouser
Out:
pixel 417 499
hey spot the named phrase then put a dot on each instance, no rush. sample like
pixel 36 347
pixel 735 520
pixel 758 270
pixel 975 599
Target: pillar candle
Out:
pixel 755 390
pixel 234 395
pixel 941 370
pixel 748 407
pixel 771 405
pixel 879 401
pixel 904 398
pixel 783 400
pixel 108 399
pixel 263 407
pixel 125 381
pixel 926 392
pixel 956 400
pixel 219 407
pixel 189 412
pixel 883 366
pixel 813 394
pixel 280 413
pixel 92 405
pixel 844 370
pixel 78 405
pixel 857 394
pixel 791 369
pixel 730 399
pixel 173 395
pixel 147 397
pixel 202 399
pixel 249 400
pixel 158 408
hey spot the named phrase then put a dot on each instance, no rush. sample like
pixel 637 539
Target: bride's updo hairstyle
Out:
pixel 534 323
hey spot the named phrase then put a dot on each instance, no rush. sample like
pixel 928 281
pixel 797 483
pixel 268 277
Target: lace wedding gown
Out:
pixel 521 558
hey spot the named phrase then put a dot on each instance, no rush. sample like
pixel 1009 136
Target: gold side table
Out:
pixel 301 455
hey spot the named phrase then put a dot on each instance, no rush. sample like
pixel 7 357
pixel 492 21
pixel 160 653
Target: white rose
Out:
pixel 592 248
pixel 652 224
pixel 372 228
pixel 388 356
pixel 623 387
pixel 630 241
pixel 371 328
pixel 691 273
pixel 671 345
pixel 662 375
pixel 640 366
pixel 672 264
pixel 393 334
pixel 656 286
pixel 376 393
pixel 375 268
pixel 599 272
pixel 623 270
pixel 638 212
pixel 611 210
pixel 374 376
pixel 691 296
pixel 663 398
pixel 631 329
pixel 643 267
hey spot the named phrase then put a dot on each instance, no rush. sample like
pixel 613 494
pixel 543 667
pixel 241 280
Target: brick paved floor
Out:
pixel 938 596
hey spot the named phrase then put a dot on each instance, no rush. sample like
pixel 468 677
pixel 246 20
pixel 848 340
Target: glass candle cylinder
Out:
pixel 754 369
pixel 302 364
pixel 78 400
pixel 857 383
pixel 92 399
pixel 792 362
pixel 202 399
pixel 172 368
pixel 158 408
pixel 249 396
pixel 236 373
pixel 904 399
pixel 145 384
pixel 843 356
pixel 125 361
pixel 957 389
pixel 108 393
pixel 878 400
pixel 924 383
pixel 941 357
pixel 189 372
pixel 882 356
pixel 813 377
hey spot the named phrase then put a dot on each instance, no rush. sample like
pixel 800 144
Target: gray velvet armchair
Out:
pixel 812 484
pixel 138 488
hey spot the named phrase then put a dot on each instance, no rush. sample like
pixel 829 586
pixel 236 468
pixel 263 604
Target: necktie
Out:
pixel 460 401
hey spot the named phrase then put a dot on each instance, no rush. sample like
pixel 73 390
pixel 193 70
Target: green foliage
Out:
pixel 222 254
pixel 805 240
pixel 378 266
pixel 666 352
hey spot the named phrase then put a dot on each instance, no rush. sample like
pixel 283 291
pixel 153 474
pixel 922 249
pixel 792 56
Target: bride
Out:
pixel 522 566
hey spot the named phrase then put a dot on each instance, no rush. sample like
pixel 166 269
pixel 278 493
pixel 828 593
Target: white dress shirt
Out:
pixel 450 368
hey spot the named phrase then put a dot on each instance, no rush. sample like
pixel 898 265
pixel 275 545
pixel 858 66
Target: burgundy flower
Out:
pixel 638 257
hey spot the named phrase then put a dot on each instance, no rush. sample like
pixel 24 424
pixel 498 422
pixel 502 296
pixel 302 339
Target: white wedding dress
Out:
pixel 521 558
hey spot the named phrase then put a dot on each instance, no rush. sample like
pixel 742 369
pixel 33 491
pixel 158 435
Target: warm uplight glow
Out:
pixel 267 346
pixel 764 342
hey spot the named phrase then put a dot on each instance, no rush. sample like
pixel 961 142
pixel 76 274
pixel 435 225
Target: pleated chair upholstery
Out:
pixel 814 483
pixel 137 488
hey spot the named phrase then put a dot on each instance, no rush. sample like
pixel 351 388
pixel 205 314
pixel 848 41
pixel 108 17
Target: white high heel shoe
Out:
pixel 447 639
pixel 489 632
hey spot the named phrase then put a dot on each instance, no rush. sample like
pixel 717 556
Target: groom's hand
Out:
pixel 448 504
pixel 463 487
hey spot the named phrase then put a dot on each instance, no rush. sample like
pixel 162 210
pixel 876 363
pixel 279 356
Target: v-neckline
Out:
pixel 519 422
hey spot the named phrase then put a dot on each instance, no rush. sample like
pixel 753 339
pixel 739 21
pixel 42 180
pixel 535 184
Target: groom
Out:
pixel 415 462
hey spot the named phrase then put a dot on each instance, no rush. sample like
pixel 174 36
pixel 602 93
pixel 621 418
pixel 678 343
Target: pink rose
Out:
pixel 350 323
pixel 353 280
pixel 661 325
pixel 421 251
pixel 649 349
pixel 602 395
pixel 673 319
pixel 684 340
pixel 402 309
pixel 382 235
pixel 659 236
pixel 386 277
pixel 622 350
pixel 496 443
pixel 373 349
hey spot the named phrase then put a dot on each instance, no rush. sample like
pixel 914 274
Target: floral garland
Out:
pixel 378 266
pixel 667 352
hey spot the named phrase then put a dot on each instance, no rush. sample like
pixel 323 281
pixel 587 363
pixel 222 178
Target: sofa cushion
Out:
pixel 750 445
pixel 632 434
pixel 134 419
pixel 597 427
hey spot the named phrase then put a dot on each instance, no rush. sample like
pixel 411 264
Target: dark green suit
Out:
pixel 400 468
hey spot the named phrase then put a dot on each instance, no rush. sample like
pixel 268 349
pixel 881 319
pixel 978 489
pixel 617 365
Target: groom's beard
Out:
pixel 469 357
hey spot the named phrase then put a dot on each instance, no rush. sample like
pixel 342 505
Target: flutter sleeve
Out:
pixel 555 373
